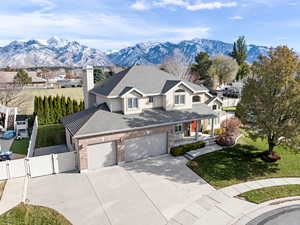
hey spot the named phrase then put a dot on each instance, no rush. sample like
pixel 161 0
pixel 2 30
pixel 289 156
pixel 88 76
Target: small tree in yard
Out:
pixel 270 103
pixel 201 68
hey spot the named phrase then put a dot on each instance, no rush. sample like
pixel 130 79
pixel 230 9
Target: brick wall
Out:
pixel 120 145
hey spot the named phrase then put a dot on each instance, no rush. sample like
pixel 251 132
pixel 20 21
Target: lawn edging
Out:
pixel 266 194
pixel 183 149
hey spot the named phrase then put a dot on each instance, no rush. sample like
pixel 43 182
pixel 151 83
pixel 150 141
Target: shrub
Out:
pixel 218 131
pixel 232 125
pixel 226 139
pixel 182 149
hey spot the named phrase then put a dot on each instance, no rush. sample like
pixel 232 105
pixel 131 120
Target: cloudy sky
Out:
pixel 113 24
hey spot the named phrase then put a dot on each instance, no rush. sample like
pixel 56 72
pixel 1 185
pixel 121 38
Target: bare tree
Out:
pixel 9 94
pixel 176 64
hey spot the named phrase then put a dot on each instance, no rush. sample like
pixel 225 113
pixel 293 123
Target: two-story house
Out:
pixel 137 113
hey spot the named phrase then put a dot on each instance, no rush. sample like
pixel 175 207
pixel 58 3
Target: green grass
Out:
pixel 270 193
pixel 2 186
pixel 25 99
pixel 242 163
pixel 32 215
pixel 50 135
pixel 230 108
pixel 20 146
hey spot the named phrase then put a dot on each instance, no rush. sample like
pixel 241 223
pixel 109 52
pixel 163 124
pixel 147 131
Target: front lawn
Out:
pixel 242 163
pixel 270 193
pixel 20 146
pixel 33 215
pixel 50 135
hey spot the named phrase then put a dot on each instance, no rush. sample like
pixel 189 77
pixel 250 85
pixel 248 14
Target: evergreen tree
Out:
pixel 70 109
pixel 51 118
pixel 75 106
pixel 40 110
pixel 63 106
pixel 201 68
pixel 81 105
pixel 58 108
pixel 35 110
pixel 22 78
pixel 98 75
pixel 240 54
pixel 46 111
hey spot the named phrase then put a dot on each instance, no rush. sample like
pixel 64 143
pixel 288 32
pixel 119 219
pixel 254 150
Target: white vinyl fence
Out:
pixel 38 166
pixel 32 141
pixel 229 102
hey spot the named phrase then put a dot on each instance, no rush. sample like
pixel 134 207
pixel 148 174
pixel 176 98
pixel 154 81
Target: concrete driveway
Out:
pixel 147 192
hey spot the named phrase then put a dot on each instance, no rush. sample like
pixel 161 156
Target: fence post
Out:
pixel 8 171
pixel 55 164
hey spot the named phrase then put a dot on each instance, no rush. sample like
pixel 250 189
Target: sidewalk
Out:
pixel 220 207
pixel 12 195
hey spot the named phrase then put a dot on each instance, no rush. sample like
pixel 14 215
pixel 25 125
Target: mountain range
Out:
pixel 60 52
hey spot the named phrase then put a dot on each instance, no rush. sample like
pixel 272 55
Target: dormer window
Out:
pixel 196 99
pixel 179 99
pixel 133 103
pixel 215 107
pixel 150 99
pixel 179 90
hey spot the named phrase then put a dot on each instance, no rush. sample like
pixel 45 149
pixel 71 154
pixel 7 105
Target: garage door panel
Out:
pixel 146 146
pixel 101 155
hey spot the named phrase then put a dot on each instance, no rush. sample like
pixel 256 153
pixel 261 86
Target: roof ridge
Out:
pixel 122 78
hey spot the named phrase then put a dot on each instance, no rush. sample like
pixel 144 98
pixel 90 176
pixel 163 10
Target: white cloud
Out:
pixel 100 30
pixel 186 4
pixel 140 5
pixel 236 18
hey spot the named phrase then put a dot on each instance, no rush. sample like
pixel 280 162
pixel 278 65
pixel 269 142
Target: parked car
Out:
pixel 8 134
pixel 5 155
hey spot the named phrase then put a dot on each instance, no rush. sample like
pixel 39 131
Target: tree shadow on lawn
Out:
pixel 233 165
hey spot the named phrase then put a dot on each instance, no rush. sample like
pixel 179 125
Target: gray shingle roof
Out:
pixel 147 79
pixel 75 121
pixel 97 121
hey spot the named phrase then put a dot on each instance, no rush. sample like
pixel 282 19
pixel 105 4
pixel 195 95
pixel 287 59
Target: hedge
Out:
pixel 182 149
pixel 51 109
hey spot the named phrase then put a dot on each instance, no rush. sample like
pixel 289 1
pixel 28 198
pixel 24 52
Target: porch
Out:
pixel 194 131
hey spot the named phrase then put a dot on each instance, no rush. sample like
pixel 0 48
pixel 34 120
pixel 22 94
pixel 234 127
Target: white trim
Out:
pixel 216 98
pixel 131 90
pixel 181 83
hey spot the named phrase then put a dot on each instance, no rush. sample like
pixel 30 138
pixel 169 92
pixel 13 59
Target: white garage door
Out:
pixel 146 146
pixel 101 155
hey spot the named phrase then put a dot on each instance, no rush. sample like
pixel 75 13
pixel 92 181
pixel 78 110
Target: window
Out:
pixel 178 128
pixel 196 99
pixel 133 103
pixel 180 90
pixel 150 99
pixel 215 107
pixel 179 99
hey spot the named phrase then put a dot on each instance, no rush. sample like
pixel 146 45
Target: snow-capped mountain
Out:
pixel 156 53
pixel 60 52
pixel 55 52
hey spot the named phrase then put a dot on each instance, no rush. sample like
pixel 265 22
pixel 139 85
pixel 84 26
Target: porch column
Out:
pixel 212 127
pixel 197 130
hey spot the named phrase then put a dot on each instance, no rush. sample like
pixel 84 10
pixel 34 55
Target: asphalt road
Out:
pixel 283 216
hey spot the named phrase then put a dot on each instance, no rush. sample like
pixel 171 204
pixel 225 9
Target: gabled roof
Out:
pixel 99 121
pixel 146 79
pixel 213 99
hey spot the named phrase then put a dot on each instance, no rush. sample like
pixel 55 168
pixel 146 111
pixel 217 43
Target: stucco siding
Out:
pixel 169 99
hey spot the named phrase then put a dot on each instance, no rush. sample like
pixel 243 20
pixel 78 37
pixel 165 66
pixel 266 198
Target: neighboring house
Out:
pixel 138 113
pixel 7 78
pixel 8 118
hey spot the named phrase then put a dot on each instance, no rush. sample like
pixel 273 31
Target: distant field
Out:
pixel 26 97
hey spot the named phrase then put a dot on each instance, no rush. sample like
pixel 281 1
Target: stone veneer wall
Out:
pixel 120 145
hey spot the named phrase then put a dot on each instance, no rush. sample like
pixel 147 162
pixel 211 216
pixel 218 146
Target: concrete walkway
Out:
pixel 220 207
pixel 202 151
pixel 12 195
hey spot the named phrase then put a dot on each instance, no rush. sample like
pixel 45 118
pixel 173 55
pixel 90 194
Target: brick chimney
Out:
pixel 88 84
